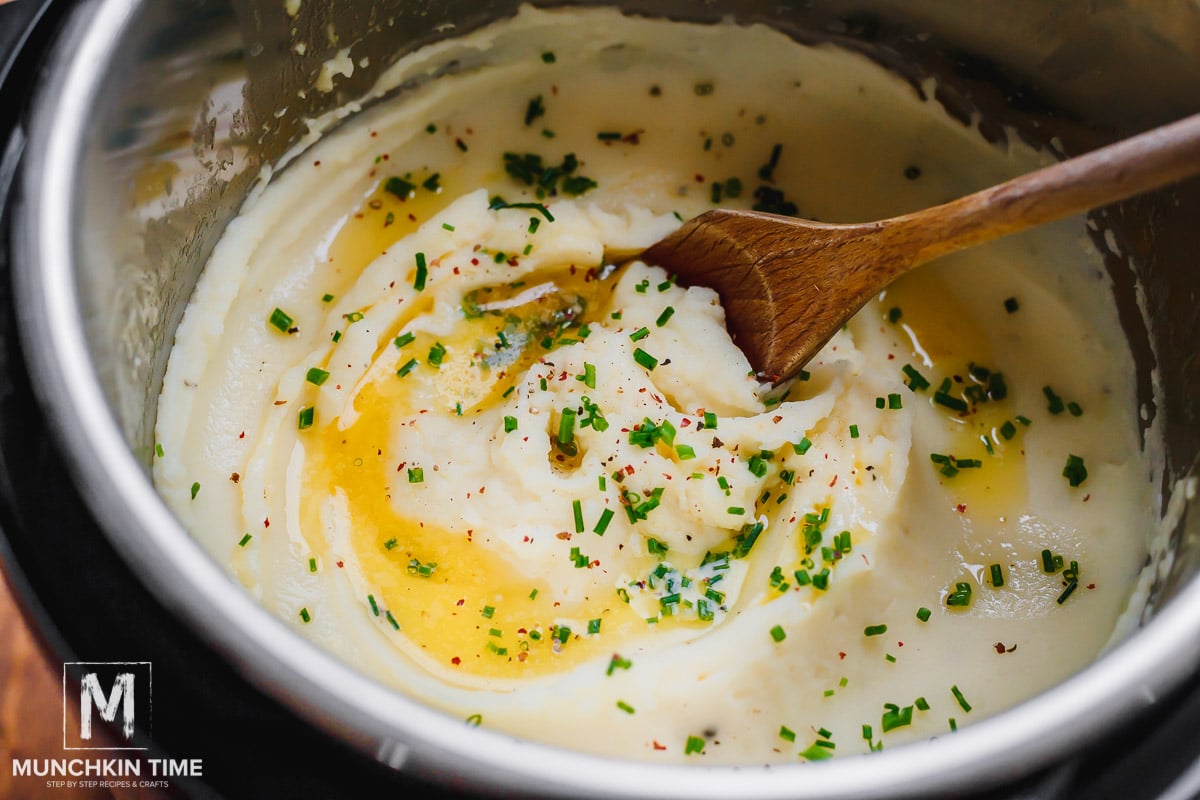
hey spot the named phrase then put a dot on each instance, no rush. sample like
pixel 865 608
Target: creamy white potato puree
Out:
pixel 423 410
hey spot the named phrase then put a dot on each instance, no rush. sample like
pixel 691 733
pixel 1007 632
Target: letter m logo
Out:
pixel 118 693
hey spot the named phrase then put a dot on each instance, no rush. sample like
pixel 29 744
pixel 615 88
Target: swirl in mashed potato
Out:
pixel 424 409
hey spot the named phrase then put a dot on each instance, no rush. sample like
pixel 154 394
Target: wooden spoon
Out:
pixel 788 284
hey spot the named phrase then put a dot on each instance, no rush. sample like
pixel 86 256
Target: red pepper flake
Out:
pixel 564 535
pixel 233 476
pixel 686 422
pixel 267 522
pixel 316 163
pixel 961 508
pixel 461 600
pixel 699 178
pixel 832 482
pixel 658 746
pixel 341 564
pixel 242 435
pixel 841 655
pixel 776 419
pixel 1091 586
pixel 456 661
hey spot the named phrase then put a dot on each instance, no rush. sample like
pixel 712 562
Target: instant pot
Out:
pixel 96 95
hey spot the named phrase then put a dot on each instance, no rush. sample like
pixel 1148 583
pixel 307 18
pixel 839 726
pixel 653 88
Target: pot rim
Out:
pixel 395 729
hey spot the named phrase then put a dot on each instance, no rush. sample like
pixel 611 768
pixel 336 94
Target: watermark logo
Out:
pixel 118 693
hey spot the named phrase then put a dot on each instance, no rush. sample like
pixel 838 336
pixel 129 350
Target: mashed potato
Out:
pixel 424 409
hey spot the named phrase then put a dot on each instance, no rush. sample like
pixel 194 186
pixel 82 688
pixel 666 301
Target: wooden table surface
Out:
pixel 31 708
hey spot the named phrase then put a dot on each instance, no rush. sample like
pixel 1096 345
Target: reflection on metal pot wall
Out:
pixel 426 408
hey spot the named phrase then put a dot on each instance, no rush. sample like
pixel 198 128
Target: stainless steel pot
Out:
pixel 214 89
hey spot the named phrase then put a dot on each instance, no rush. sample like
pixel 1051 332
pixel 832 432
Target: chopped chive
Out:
pixel 437 354
pixel 304 420
pixel 602 524
pixel 594 626
pixel 894 314
pixel 645 359
pixel 787 734
pixel 874 630
pixel 566 431
pixel 316 376
pixel 391 620
pixel 854 431
pixel 195 489
pixel 589 375
pixel 616 662
pixel 997 575
pixel 953 724
pixel 923 614
pixel 1010 305
pixel 961 596
pixel 921 703
pixel 685 452
pixel 158 449
pixel 962 701
pixel 416 475
pixel 1008 430
pixel 665 316
pixel 895 401
pixel 1067 592
pixel 655 547
pixel 694 744
pixel 1054 403
pixel 280 320
pixel 446 226
pixel 422 273
pixel 1075 409
pixel 408 367
pixel 245 540
pixel 548 57
pixel 399 187
pixel 337 336
pixel 710 419
pixel 736 510
pixel 1075 472
pixel 327 298
pixel 880 402
pixel 391 544
pixel 916 381
pixel 374 605
pixel 778 633
pixel 312 565
pixel 895 717
pixel 577 510
pixel 487 611
pixel 510 424
pixel 304 615
pixel 628 709
pixel 803 446
pixel 950 401
pixel 639 334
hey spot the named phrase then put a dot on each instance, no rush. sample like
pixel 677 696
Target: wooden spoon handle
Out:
pixel 1144 162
